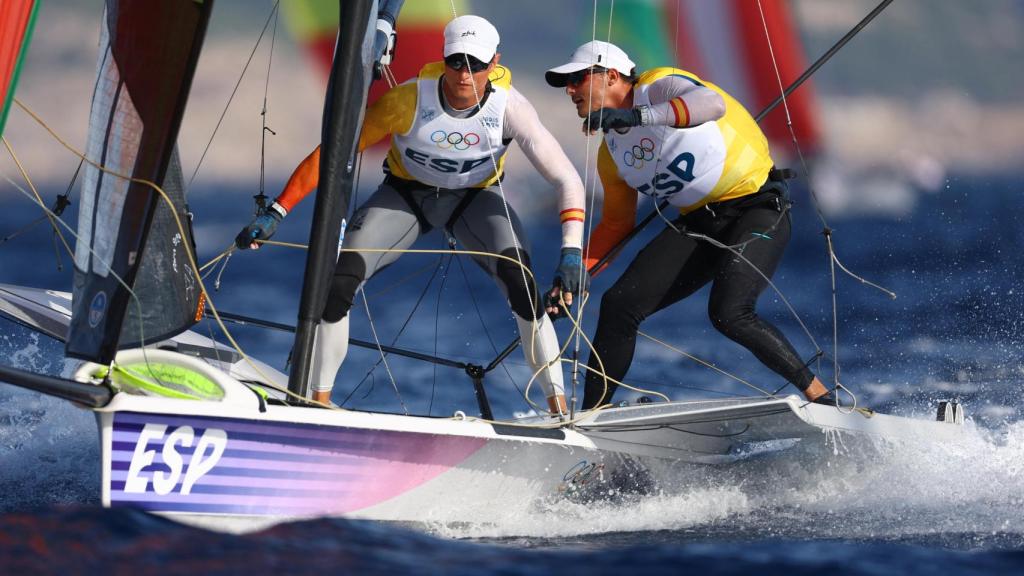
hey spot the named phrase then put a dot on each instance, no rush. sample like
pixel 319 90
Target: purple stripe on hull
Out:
pixel 339 439
pixel 329 482
pixel 246 467
pixel 124 450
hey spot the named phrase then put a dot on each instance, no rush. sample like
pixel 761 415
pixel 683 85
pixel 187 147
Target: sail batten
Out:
pixel 133 281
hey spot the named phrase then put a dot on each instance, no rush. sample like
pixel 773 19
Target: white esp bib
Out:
pixel 682 165
pixel 448 152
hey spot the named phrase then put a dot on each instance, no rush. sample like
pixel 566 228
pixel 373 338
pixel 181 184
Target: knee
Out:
pixel 348 275
pixel 730 319
pixel 617 306
pixel 519 284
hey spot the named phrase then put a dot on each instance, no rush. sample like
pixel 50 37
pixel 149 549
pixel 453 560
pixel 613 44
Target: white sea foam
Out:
pixel 844 487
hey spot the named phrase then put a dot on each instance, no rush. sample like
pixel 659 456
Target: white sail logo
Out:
pixel 165 482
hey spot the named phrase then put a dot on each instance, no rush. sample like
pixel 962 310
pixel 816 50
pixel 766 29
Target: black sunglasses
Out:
pixel 458 62
pixel 579 76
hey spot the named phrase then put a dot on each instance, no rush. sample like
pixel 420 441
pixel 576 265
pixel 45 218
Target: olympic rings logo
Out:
pixel 457 140
pixel 639 154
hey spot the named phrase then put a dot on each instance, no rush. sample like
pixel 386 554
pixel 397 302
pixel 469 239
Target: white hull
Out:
pixel 242 462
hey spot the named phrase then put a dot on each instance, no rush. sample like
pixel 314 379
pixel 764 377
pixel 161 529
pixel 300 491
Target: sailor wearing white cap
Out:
pixel 450 129
pixel 671 135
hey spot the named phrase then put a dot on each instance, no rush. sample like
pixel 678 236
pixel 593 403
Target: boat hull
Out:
pixel 244 471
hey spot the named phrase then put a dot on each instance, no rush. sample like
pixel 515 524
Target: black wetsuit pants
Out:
pixel 674 265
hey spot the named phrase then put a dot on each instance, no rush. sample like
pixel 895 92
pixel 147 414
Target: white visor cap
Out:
pixel 596 53
pixel 471 35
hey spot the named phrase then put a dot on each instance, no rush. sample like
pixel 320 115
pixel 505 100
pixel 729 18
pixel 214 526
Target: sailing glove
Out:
pixel 570 275
pixel 613 119
pixel 262 228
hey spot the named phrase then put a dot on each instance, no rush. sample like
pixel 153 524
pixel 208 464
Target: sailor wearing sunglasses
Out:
pixel 450 130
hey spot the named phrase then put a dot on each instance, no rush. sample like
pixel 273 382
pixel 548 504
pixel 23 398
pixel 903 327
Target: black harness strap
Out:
pixel 449 226
pixel 773 191
pixel 404 189
pixel 781 174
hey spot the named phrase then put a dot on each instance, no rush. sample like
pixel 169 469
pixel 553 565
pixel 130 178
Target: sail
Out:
pixel 17 18
pixel 127 233
pixel 723 42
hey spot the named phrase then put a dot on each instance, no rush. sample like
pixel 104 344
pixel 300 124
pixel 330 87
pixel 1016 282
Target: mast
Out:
pixel 349 82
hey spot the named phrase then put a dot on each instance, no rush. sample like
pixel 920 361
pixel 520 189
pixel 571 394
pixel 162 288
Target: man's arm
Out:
pixel 547 156
pixel 680 101
pixel 389 114
pixel 618 213
pixel 384 117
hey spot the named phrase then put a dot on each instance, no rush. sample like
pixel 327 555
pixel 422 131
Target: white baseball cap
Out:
pixel 471 35
pixel 596 53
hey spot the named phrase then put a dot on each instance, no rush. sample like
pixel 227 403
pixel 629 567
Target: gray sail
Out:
pixel 133 283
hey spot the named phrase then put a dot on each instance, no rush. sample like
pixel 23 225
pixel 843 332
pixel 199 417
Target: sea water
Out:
pixel 953 332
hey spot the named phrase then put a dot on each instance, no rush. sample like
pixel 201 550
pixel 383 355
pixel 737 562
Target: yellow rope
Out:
pixel 39 198
pixel 268 382
pixel 188 252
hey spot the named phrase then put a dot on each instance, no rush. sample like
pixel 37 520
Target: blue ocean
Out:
pixel 952 257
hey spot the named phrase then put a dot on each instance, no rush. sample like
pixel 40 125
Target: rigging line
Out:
pixel 593 196
pixel 383 356
pixel 775 288
pixel 408 251
pixel 223 267
pixel 401 330
pixel 261 198
pixel 190 257
pixel 22 230
pixel 705 363
pixel 591 185
pixel 821 216
pixel 35 193
pixel 401 281
pixel 266 25
pixel 483 324
pixel 437 311
pixel 527 286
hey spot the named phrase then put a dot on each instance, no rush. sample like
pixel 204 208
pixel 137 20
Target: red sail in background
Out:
pixel 789 58
pixel 723 41
pixel 17 18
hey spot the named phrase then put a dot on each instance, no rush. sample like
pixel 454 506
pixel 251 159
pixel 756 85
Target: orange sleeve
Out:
pixel 302 181
pixel 618 214
pixel 390 113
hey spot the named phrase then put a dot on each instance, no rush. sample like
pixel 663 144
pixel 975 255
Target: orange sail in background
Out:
pixel 17 18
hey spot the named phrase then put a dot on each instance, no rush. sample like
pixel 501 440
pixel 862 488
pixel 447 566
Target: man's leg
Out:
pixel 384 221
pixel 671 267
pixel 484 227
pixel 738 285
